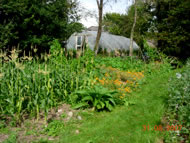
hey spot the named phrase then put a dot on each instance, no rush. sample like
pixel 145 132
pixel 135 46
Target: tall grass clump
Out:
pixel 30 86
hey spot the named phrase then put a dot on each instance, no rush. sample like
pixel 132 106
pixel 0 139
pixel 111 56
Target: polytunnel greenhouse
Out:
pixel 108 41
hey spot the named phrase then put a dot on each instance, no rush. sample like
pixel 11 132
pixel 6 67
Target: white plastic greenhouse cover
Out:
pixel 108 41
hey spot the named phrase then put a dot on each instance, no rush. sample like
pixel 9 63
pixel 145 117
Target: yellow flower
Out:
pixel 19 66
pixel 101 81
pixel 117 82
pixel 106 74
pixel 127 89
pixel 121 97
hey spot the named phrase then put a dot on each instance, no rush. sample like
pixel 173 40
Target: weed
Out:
pixel 54 128
pixel 12 138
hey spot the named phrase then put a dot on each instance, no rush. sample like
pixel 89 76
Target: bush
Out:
pixel 35 23
pixel 150 53
pixel 179 102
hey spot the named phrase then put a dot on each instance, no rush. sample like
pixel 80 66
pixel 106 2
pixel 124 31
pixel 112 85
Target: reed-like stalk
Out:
pixel 31 85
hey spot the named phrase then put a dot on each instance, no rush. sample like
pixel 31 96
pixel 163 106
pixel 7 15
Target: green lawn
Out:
pixel 124 124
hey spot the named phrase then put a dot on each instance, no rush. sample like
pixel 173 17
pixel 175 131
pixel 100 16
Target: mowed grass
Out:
pixel 124 124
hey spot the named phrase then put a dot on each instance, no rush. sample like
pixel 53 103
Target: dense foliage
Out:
pixel 166 21
pixel 98 97
pixel 29 23
pixel 172 23
pixel 29 86
pixel 121 24
pixel 120 63
pixel 179 104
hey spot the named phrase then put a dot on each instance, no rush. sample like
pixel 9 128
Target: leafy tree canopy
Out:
pixel 173 30
pixel 166 21
pixel 121 24
pixel 37 22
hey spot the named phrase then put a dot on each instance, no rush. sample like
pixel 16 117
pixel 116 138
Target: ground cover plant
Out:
pixel 178 111
pixel 121 63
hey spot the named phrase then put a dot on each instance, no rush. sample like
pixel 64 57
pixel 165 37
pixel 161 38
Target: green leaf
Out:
pixel 109 107
pixel 132 102
pixel 82 92
pixel 98 106
pixel 107 103
pixel 95 102
pixel 87 98
pixel 80 105
pixel 112 101
pixel 126 103
pixel 102 104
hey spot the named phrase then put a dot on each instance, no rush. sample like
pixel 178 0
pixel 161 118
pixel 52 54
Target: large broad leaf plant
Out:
pixel 98 97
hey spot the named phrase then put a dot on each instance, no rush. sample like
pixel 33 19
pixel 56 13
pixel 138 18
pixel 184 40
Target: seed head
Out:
pixel 2 55
pixel 14 55
pixel 43 72
pixel 35 50
pixel 1 75
pixel 19 66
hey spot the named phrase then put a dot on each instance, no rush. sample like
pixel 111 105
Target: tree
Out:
pixel 165 21
pixel 100 14
pixel 121 24
pixel 33 22
pixel 114 23
pixel 132 30
pixel 173 31
pixel 100 4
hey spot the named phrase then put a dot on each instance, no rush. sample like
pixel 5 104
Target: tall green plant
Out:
pixel 32 86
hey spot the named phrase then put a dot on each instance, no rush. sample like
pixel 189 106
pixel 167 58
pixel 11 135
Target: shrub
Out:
pixel 150 53
pixel 179 101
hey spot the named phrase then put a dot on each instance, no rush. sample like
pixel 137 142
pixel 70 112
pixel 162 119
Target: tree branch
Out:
pixel 98 4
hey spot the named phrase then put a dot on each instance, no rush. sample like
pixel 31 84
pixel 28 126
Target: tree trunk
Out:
pixel 132 31
pixel 100 12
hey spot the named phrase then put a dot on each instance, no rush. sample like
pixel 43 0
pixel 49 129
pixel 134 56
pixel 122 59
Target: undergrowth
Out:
pixel 178 112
